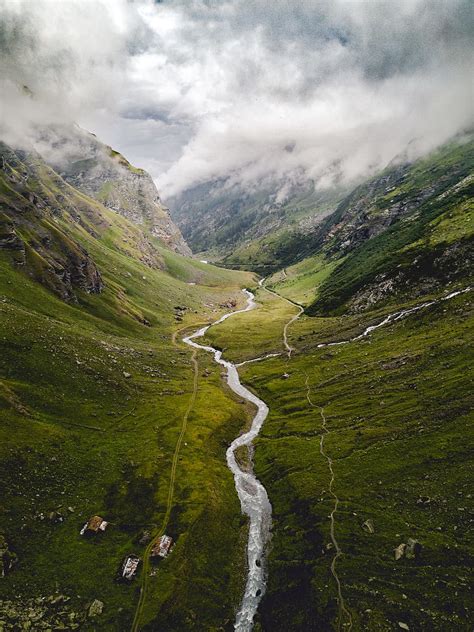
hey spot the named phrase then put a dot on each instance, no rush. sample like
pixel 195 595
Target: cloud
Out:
pixel 247 90
pixel 61 59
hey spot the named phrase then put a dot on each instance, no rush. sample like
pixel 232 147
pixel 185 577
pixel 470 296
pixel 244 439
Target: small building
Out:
pixel 162 547
pixel 129 567
pixel 94 525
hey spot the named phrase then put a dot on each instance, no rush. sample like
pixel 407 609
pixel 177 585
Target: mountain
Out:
pixel 94 386
pixel 105 175
pixel 365 451
pixel 402 234
pixel 223 217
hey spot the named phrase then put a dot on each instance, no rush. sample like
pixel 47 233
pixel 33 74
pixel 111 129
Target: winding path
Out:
pixel 344 617
pixel 288 347
pixel 146 556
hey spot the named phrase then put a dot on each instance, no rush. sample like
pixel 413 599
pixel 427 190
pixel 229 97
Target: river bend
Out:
pixel 252 494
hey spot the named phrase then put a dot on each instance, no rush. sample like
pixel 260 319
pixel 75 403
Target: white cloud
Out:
pixel 195 90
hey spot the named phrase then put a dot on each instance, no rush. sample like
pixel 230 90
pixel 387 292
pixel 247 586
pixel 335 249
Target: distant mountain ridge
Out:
pixel 221 216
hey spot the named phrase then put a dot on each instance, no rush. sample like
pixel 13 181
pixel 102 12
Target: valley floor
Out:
pixel 367 445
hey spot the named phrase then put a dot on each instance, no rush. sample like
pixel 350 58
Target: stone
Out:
pixel 8 559
pixel 413 549
pixel 403 626
pixel 55 516
pixel 400 551
pixel 127 375
pixel 96 608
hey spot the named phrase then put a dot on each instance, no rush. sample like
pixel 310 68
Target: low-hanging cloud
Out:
pixel 245 90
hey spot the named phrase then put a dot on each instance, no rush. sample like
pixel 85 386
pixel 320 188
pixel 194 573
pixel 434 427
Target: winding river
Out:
pixel 252 494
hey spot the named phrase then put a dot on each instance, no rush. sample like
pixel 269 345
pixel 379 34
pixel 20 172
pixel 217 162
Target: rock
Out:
pixel 368 526
pixel 403 626
pixel 400 551
pixel 285 376
pixel 423 500
pixel 96 608
pixel 127 375
pixel 8 559
pixel 413 549
pixel 55 516
pixel 145 538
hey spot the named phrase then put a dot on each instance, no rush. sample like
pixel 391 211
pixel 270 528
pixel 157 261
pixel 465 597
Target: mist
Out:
pixel 243 90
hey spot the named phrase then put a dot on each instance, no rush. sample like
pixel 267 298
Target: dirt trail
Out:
pixel 146 556
pixel 344 618
pixel 288 347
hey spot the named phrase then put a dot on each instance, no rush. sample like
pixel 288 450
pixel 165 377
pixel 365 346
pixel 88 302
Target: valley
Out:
pixel 339 397
pixel 236 316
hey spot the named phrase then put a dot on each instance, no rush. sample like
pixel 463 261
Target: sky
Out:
pixel 198 90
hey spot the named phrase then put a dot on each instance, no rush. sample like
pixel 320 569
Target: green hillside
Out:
pixel 104 412
pixel 93 392
pixel 403 234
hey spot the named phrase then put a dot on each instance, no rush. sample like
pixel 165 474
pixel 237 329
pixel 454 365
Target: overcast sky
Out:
pixel 196 90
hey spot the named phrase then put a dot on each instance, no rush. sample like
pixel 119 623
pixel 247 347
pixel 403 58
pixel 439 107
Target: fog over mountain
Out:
pixel 194 91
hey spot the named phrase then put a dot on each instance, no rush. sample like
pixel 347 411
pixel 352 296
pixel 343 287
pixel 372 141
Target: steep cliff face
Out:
pixel 105 175
pixel 32 234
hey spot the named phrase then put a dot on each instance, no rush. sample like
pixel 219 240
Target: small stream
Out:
pixel 252 494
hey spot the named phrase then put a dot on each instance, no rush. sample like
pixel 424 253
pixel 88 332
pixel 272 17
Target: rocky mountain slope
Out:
pixel 95 385
pixel 105 175
pixel 405 233
pixel 93 390
pixel 221 217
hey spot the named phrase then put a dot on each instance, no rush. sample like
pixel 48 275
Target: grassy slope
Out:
pixel 419 248
pixel 77 433
pixel 398 409
pixel 397 406
pixel 424 247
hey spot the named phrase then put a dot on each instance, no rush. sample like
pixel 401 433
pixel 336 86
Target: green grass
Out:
pixel 101 443
pixel 244 337
pixel 300 282
pixel 397 405
pixel 77 432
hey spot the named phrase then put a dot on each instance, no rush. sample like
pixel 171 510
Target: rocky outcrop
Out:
pixel 405 233
pixel 31 233
pixel 8 559
pixel 104 174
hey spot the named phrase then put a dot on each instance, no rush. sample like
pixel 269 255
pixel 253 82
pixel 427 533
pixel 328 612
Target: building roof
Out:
pixel 162 547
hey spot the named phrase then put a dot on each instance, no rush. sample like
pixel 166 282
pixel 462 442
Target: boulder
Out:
pixel 413 549
pixel 400 551
pixel 95 609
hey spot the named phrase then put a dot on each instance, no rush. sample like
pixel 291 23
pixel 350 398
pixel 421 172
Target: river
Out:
pixel 252 494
